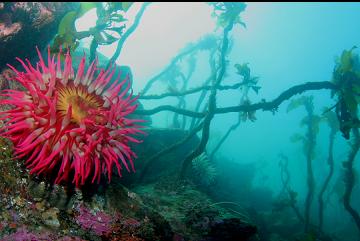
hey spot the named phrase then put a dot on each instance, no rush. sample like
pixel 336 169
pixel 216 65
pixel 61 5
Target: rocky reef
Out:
pixel 24 25
pixel 165 209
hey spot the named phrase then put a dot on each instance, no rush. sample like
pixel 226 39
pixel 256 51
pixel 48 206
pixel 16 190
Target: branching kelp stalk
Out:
pixel 285 179
pixel 185 80
pixel 311 121
pixel 128 33
pixel 212 102
pixel 284 173
pixel 350 177
pixel 212 76
pixel 248 82
pixel 174 61
pixel 181 103
pixel 173 71
pixel 334 127
pixel 109 27
pixel 311 139
pixel 346 76
pixel 262 105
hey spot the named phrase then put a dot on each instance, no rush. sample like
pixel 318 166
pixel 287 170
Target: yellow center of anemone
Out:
pixel 80 100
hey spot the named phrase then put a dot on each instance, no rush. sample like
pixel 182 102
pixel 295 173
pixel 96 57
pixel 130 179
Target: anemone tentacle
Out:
pixel 75 125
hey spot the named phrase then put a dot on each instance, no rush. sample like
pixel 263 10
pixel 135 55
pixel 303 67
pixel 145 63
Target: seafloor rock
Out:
pixel 24 25
pixel 230 229
pixel 31 208
pixel 192 215
pixel 155 140
pixel 114 214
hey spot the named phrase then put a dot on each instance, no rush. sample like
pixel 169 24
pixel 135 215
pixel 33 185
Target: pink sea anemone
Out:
pixel 73 125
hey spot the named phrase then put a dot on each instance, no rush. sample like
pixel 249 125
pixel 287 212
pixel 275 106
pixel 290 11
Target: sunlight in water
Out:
pixel 191 21
pixel 149 41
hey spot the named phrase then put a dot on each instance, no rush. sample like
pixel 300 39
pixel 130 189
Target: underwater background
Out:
pixel 245 119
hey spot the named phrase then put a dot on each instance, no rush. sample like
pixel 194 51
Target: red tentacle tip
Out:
pixel 62 143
